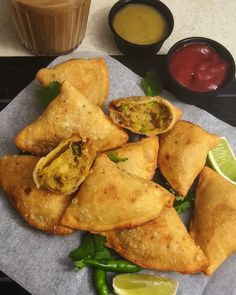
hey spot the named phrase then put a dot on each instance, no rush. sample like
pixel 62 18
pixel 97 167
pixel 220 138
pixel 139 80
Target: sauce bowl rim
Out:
pixel 153 3
pixel 219 48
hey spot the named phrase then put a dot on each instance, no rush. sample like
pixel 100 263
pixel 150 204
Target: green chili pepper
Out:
pixel 110 265
pixel 101 282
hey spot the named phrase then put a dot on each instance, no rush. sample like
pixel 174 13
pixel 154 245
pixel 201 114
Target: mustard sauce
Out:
pixel 140 24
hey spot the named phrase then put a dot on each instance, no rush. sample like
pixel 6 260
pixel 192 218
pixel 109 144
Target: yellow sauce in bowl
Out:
pixel 140 24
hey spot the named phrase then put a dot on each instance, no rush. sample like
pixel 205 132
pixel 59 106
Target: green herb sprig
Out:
pixel 47 93
pixel 180 203
pixel 76 149
pixel 93 252
pixel 152 84
pixel 114 157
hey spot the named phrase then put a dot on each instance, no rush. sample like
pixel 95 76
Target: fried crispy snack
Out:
pixel 65 167
pixel 141 157
pixel 148 115
pixel 69 113
pixel 39 207
pixel 162 244
pixel 214 224
pixel 182 154
pixel 89 76
pixel 111 198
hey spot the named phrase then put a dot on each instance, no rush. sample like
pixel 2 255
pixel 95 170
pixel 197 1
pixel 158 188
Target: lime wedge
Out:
pixel 140 284
pixel 223 161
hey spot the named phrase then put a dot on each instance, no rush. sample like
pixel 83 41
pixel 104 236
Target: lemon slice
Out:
pixel 140 284
pixel 223 161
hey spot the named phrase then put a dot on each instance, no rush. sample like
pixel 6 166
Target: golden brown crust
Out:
pixel 173 112
pixel 89 76
pixel 141 155
pixel 69 113
pixel 162 244
pixel 112 198
pixel 213 226
pixel 39 207
pixel 182 154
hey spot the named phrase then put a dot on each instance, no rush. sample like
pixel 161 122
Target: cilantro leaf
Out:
pixel 76 150
pixel 152 84
pixel 85 249
pixel 99 242
pixel 47 93
pixel 102 254
pixel 182 207
pixel 92 246
pixel 114 157
pixel 180 203
pixel 79 264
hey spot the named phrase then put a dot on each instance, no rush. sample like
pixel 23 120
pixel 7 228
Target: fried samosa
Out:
pixel 214 223
pixel 162 244
pixel 69 113
pixel 112 198
pixel 65 167
pixel 39 207
pixel 182 154
pixel 148 115
pixel 138 158
pixel 89 76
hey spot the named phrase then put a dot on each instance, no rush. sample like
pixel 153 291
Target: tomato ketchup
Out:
pixel 198 67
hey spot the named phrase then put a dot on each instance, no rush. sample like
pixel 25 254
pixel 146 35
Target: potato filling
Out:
pixel 144 117
pixel 64 171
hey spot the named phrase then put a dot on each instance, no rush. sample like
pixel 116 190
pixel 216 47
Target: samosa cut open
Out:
pixel 138 158
pixel 112 198
pixel 147 115
pixel 182 154
pixel 214 223
pixel 65 167
pixel 89 76
pixel 162 244
pixel 69 113
pixel 39 207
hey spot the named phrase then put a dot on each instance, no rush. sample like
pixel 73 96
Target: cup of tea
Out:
pixel 50 27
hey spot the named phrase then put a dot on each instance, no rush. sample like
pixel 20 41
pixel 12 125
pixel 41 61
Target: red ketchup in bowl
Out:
pixel 198 67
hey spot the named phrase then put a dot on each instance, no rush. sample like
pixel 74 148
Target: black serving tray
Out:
pixel 17 72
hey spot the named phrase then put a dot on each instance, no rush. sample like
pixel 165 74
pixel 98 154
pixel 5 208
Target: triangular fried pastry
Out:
pixel 69 113
pixel 39 207
pixel 162 244
pixel 214 223
pixel 182 154
pixel 89 76
pixel 65 167
pixel 112 198
pixel 147 115
pixel 139 158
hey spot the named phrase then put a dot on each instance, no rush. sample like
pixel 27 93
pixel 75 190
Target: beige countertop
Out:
pixel 215 19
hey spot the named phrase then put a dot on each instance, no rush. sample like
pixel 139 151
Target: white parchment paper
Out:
pixel 40 262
